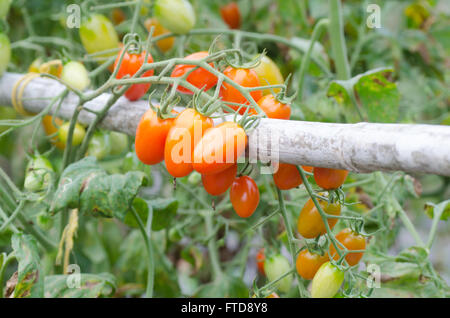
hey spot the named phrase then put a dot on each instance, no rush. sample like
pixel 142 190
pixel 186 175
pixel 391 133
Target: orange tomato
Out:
pixel 245 78
pixel 244 196
pixel 164 44
pixel 219 148
pixel 274 108
pixel 260 259
pixel 352 241
pixel 200 78
pixel 310 223
pixel 186 131
pixel 231 15
pixel 308 263
pixel 151 136
pixel 218 183
pixel 50 129
pixel 287 176
pixel 329 179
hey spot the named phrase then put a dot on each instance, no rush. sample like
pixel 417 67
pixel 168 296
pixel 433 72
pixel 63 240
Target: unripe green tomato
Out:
pixel 276 266
pixel 38 174
pixel 44 221
pixel 4 8
pixel 5 52
pixel 119 143
pixel 75 74
pixel 327 281
pixel 99 145
pixel 97 34
pixel 174 235
pixel 78 133
pixel 194 178
pixel 177 16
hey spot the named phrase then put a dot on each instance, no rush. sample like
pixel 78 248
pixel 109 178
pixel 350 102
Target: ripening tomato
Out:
pixel 287 176
pixel 131 63
pixel 164 44
pixel 352 241
pixel 99 145
pixel 78 133
pixel 119 143
pixel 327 281
pixel 268 74
pixel 75 74
pixel 308 263
pixel 5 52
pixel 231 15
pixel 310 223
pixel 244 196
pixel 218 183
pixel 200 78
pixel 260 258
pixel 118 16
pixel 219 148
pixel 177 16
pixel 245 78
pixel 185 133
pixel 50 129
pixel 97 34
pixel 151 136
pixel 329 179
pixel 273 108
pixel 275 266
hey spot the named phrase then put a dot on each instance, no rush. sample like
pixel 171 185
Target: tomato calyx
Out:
pixel 236 60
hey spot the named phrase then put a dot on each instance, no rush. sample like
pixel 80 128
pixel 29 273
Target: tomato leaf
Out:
pixel 27 281
pixel 376 97
pixel 78 285
pixel 164 211
pixel 86 186
pixel 442 210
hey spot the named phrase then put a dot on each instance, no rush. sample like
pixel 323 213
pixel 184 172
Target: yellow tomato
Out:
pixel 165 44
pixel 268 74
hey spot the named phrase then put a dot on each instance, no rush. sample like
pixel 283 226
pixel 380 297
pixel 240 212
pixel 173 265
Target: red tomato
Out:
pixel 219 148
pixel 352 241
pixel 245 78
pixel 310 223
pixel 231 15
pixel 186 131
pixel 273 108
pixel 308 263
pixel 130 65
pixel 260 258
pixel 287 176
pixel 329 179
pixel 244 196
pixel 218 183
pixel 200 78
pixel 151 136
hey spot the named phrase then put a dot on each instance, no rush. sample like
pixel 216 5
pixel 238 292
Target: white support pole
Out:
pixel 361 147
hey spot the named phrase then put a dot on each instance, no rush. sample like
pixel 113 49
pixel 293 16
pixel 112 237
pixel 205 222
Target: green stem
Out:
pixel 11 257
pixel 290 236
pixel 336 30
pixel 212 248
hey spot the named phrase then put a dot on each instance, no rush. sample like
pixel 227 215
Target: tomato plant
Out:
pixel 177 16
pixel 308 263
pixel 310 223
pixel 151 137
pixel 219 148
pixel 131 63
pixel 244 196
pixel 327 281
pixel 97 34
pixel 200 77
pixel 219 183
pixel 186 131
pixel 351 241
pixel 243 77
